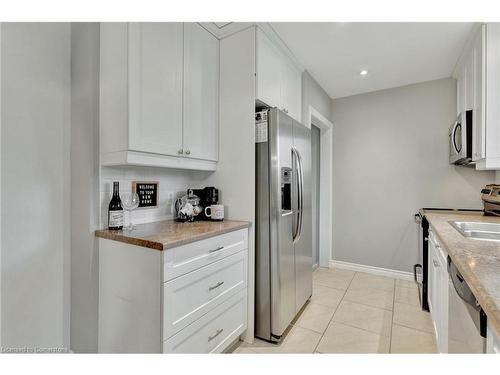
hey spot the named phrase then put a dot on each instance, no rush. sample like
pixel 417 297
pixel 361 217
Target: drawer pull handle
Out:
pixel 436 264
pixel 216 285
pixel 217 249
pixel 219 331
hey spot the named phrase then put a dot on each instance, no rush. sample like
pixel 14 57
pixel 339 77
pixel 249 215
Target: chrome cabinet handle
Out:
pixel 188 152
pixel 216 249
pixel 180 151
pixel 217 333
pixel 216 285
pixel 436 264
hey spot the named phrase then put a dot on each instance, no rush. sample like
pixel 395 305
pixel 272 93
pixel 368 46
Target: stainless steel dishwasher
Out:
pixel 466 318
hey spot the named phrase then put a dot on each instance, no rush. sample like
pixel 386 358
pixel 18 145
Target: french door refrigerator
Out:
pixel 283 238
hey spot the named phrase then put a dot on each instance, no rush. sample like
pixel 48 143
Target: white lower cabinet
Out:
pixel 191 296
pixel 492 341
pixel 189 299
pixel 214 331
pixel 438 292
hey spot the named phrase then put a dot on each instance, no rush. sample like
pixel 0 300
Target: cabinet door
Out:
pixel 492 340
pixel 469 81
pixel 443 308
pixel 431 278
pixel 291 90
pixel 478 122
pixel 269 71
pixel 434 289
pixel 201 93
pixel 461 80
pixel 155 87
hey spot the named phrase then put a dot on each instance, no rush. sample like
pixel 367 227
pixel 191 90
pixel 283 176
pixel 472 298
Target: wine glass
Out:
pixel 130 201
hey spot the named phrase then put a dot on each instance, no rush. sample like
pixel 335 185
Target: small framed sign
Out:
pixel 148 193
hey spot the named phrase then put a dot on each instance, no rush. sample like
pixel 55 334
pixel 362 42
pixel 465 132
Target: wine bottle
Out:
pixel 115 210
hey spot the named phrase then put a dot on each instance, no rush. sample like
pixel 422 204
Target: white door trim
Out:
pixel 0 187
pixel 326 183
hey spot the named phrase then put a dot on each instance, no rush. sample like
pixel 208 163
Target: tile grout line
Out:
pixel 365 304
pixel 336 308
pixel 392 315
pixel 413 328
pixel 361 329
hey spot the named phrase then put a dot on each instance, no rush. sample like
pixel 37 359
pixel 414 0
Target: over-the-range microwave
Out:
pixel 460 139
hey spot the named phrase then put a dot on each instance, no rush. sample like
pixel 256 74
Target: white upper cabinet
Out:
pixel 465 84
pixel 159 100
pixel 268 71
pixel 461 91
pixel 469 82
pixel 291 91
pixel 478 89
pixel 478 107
pixel 155 87
pixel 279 81
pixel 201 93
pixel 492 98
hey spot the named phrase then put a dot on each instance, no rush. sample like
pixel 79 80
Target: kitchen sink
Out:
pixel 478 231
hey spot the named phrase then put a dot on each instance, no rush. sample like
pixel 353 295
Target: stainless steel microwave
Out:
pixel 460 139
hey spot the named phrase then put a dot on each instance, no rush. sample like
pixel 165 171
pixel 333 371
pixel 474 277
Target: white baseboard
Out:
pixel 371 269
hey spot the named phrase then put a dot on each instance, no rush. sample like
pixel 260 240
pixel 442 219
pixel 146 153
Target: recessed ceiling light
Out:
pixel 363 72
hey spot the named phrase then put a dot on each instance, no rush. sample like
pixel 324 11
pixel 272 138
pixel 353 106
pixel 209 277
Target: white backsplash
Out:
pixel 173 184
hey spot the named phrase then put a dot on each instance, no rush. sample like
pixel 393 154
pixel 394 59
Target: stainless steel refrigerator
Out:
pixel 283 239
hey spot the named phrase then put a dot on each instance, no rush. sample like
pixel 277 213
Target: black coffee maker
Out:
pixel 208 195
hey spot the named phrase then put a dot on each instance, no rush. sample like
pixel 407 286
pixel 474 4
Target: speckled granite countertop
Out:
pixel 163 235
pixel 478 261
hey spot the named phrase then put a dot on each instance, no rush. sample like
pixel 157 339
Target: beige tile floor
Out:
pixel 355 312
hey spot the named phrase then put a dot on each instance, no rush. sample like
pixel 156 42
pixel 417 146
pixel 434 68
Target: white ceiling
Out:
pixel 395 54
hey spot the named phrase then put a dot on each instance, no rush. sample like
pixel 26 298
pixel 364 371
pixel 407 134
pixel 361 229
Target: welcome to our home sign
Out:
pixel 148 193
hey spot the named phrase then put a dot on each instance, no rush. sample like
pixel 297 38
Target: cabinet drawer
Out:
pixel 190 296
pixel 214 331
pixel 441 252
pixel 187 258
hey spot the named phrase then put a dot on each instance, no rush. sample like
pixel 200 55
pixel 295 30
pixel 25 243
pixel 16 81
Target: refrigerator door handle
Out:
pixel 300 193
pixel 295 172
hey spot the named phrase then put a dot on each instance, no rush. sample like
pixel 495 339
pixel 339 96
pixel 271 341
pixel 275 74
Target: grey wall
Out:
pixel 314 95
pixel 84 185
pixel 390 157
pixel 35 185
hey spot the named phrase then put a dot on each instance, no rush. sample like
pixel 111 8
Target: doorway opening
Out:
pixel 315 172
pixel 322 134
